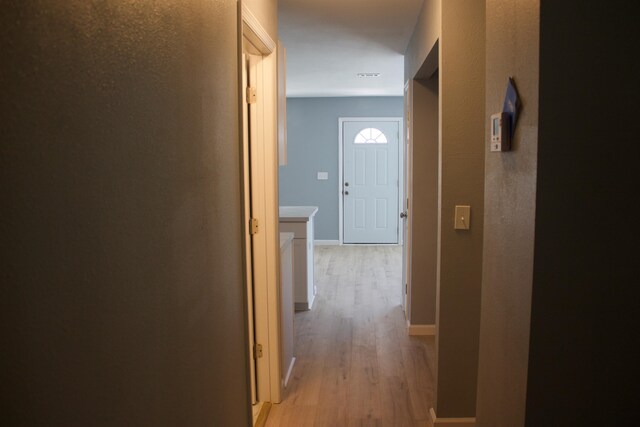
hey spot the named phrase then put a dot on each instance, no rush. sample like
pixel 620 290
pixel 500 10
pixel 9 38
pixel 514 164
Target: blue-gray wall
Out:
pixel 312 147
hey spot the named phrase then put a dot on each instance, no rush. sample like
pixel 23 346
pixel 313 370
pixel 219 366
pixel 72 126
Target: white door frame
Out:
pixel 341 121
pixel 246 215
pixel 408 188
pixel 263 179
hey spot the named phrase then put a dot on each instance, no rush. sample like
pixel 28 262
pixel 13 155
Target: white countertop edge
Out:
pixel 297 213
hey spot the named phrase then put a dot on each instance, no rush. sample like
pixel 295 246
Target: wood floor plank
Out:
pixel 355 363
pixel 420 394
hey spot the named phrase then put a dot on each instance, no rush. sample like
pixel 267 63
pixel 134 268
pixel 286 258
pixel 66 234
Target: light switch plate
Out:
pixel 323 176
pixel 463 217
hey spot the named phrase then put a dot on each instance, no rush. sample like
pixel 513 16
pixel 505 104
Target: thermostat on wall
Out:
pixel 500 132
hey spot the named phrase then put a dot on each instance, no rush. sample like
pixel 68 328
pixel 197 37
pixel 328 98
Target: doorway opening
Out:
pixel 370 193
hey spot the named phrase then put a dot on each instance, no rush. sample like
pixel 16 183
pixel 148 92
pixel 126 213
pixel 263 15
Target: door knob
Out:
pixel 403 214
pixel 346 184
pixel 346 193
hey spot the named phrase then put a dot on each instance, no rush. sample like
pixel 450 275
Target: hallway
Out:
pixel 355 363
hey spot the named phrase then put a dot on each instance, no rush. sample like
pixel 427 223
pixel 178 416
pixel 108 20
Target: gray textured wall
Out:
pixel 122 288
pixel 584 312
pixel 509 220
pixel 424 202
pixel 462 101
pixel 458 28
pixel 312 147
pixel 425 35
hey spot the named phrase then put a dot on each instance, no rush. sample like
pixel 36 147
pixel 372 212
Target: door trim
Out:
pixel 266 301
pixel 246 215
pixel 255 32
pixel 341 121
pixel 407 181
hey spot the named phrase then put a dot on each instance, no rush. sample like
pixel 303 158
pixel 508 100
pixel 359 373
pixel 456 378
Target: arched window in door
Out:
pixel 370 136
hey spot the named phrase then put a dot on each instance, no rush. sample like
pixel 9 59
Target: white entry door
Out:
pixel 370 181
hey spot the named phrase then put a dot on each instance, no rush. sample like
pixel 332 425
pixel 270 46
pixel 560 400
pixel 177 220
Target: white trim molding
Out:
pixel 326 242
pixel 255 32
pixel 417 330
pixel 451 422
pixel 263 167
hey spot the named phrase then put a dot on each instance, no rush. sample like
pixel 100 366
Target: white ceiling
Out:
pixel 329 41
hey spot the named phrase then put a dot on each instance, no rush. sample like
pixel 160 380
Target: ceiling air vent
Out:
pixel 367 75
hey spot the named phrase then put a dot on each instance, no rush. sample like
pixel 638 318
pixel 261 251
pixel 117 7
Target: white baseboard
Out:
pixel 451 422
pixel 286 379
pixel 327 242
pixel 414 330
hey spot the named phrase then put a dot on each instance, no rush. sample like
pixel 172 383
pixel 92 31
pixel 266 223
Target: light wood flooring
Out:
pixel 355 363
